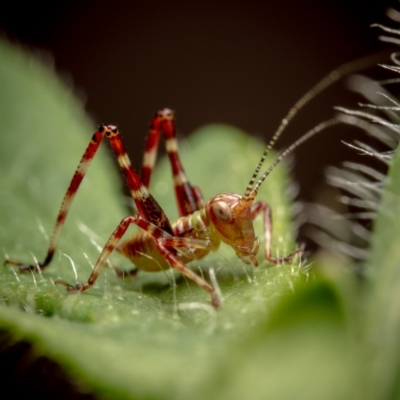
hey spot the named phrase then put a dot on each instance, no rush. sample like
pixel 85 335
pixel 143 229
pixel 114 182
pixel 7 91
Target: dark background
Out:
pixel 242 63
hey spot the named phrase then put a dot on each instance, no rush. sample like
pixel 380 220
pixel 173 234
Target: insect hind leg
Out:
pixel 77 178
pixel 189 198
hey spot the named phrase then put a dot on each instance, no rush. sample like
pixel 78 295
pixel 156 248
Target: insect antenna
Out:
pixel 323 125
pixel 323 84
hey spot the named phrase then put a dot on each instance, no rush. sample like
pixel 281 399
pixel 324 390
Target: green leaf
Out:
pixel 155 336
pixel 302 351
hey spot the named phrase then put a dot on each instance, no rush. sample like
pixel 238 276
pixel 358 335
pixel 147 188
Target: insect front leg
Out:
pixel 262 207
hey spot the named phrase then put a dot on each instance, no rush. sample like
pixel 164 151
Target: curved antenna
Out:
pixel 323 125
pixel 324 83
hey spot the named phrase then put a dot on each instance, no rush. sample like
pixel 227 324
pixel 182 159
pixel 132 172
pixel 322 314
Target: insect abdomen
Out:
pixel 141 250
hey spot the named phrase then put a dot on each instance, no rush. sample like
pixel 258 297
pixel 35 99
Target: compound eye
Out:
pixel 222 211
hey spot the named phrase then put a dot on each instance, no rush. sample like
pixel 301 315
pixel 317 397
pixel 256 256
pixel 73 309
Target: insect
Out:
pixel 202 226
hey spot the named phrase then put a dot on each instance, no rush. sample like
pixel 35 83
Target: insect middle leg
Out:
pixel 262 207
pixel 166 245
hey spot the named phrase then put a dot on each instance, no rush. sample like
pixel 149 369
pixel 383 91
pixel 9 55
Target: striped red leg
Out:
pixel 165 244
pixel 66 204
pixel 188 197
pixel 172 259
pixel 148 208
pixel 262 207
